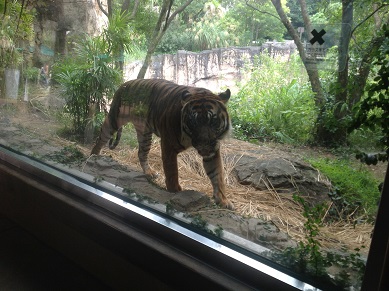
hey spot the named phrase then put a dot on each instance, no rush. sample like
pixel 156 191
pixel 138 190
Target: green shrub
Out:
pixel 88 79
pixel 355 190
pixel 174 40
pixel 277 103
pixel 311 259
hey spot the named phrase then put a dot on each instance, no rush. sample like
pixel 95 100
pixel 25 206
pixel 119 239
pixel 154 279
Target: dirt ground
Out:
pixel 30 130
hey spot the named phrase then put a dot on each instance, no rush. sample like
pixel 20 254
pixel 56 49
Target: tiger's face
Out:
pixel 205 121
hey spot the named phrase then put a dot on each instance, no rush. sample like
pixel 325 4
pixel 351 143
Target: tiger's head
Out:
pixel 204 118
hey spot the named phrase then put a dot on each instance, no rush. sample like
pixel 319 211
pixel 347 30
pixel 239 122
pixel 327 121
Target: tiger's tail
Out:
pixel 106 134
pixel 112 143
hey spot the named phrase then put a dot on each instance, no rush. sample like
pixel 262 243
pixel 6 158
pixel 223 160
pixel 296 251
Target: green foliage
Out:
pixel 277 103
pixel 120 37
pixel 373 111
pixel 199 222
pixel 16 25
pixel 88 75
pixel 88 80
pixel 255 23
pixel 67 155
pixel 32 74
pixel 169 208
pixel 355 191
pixel 210 32
pixel 176 38
pixel 308 258
pixel 334 125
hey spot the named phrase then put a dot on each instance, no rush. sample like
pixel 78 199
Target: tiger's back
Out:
pixel 181 116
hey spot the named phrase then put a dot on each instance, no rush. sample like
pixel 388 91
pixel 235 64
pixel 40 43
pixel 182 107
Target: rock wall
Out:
pixel 214 69
pixel 84 17
pixel 60 22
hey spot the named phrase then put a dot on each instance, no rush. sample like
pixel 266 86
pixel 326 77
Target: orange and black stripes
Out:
pixel 181 116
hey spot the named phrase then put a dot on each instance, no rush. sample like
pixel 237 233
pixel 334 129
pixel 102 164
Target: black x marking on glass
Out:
pixel 317 36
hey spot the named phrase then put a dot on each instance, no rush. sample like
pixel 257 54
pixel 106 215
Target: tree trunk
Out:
pixel 157 35
pixel 160 30
pixel 321 133
pixel 359 80
pixel 342 107
pixel 310 68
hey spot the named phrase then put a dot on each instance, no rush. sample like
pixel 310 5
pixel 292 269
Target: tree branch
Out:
pixel 179 10
pixel 370 15
pixel 167 16
pixel 260 11
pixel 20 15
pixel 136 5
pixel 102 8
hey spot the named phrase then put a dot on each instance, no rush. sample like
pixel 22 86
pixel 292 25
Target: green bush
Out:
pixel 88 80
pixel 355 190
pixel 310 259
pixel 174 40
pixel 372 112
pixel 277 103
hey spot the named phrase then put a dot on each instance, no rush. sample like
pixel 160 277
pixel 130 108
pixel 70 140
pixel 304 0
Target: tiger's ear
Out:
pixel 185 97
pixel 225 96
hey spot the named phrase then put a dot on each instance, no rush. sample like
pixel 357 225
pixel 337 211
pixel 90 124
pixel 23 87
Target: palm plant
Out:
pixel 210 32
pixel 92 73
pixel 88 80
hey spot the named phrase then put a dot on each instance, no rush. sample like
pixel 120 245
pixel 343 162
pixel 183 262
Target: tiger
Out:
pixel 182 116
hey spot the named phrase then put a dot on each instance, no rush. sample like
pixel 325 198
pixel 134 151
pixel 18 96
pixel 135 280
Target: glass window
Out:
pixel 287 151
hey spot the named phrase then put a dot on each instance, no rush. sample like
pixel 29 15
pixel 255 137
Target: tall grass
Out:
pixel 277 103
pixel 355 190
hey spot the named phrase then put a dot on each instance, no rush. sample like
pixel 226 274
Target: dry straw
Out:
pixel 267 204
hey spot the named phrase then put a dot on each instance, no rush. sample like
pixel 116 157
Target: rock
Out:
pixel 189 200
pixel 283 175
pixel 11 128
pixel 104 163
pixel 265 233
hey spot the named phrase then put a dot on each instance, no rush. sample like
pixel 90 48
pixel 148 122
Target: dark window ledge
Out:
pixel 120 243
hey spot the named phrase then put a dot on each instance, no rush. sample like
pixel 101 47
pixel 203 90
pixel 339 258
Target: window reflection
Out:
pixel 308 208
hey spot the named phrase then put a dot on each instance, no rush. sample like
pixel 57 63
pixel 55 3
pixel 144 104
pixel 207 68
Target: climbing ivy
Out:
pixel 373 111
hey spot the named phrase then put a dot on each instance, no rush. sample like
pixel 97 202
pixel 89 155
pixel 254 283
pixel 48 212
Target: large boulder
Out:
pixel 283 175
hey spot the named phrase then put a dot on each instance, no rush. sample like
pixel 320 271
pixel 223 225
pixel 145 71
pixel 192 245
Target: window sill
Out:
pixel 122 243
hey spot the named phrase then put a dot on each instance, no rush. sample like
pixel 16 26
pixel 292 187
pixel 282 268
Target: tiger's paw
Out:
pixel 151 174
pixel 95 151
pixel 225 203
pixel 174 188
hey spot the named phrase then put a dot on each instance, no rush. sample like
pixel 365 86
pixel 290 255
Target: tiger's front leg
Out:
pixel 214 168
pixel 170 167
pixel 144 140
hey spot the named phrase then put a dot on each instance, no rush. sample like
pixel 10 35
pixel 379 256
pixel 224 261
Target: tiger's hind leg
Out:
pixel 113 123
pixel 214 168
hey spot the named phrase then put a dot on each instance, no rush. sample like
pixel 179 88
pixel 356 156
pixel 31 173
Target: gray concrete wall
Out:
pixel 215 69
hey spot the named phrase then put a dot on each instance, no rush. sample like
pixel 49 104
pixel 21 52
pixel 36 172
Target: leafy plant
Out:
pixel 199 222
pixel 169 208
pixel 355 191
pixel 89 80
pixel 67 155
pixel 373 110
pixel 276 104
pixel 210 32
pixel 16 26
pixel 308 258
pixel 32 74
